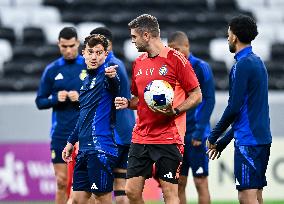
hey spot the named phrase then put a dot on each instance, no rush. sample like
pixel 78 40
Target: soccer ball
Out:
pixel 159 94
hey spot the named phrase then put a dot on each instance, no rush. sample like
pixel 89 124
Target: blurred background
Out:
pixel 28 42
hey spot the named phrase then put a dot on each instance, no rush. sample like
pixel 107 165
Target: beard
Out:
pixel 141 48
pixel 232 48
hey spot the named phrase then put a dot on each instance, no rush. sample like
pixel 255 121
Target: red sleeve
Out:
pixel 134 90
pixel 184 72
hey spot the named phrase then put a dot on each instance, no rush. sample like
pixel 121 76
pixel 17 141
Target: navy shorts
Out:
pixel 93 172
pixel 196 159
pixel 167 159
pixel 250 166
pixel 56 148
pixel 122 157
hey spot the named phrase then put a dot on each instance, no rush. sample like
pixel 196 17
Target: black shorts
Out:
pixel 167 159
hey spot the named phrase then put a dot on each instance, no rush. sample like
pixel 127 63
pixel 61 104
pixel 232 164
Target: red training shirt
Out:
pixel 171 66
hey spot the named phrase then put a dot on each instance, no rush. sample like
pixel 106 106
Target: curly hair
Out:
pixel 95 39
pixel 244 27
pixel 146 23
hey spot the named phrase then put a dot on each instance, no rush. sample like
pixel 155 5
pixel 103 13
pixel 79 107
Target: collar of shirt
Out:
pixel 94 72
pixel 243 52
pixel 192 59
pixel 78 60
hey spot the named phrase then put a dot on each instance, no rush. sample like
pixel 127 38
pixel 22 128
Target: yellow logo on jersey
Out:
pixel 83 74
pixel 53 155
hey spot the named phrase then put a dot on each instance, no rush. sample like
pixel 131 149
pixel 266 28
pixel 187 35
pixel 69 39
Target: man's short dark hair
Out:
pixel 103 31
pixel 68 33
pixel 177 36
pixel 145 23
pixel 96 39
pixel 244 27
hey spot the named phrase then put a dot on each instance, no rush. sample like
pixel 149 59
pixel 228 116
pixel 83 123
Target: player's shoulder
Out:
pixel 177 57
pixel 141 57
pixel 52 66
pixel 251 61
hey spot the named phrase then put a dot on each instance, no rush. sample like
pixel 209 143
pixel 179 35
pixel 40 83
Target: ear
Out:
pixel 83 52
pixel 146 35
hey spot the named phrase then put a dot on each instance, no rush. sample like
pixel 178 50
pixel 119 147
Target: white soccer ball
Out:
pixel 159 94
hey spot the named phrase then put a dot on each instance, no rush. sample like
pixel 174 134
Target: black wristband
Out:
pixel 128 103
pixel 177 111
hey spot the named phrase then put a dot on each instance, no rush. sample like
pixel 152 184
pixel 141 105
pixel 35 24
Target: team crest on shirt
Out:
pixel 163 70
pixel 83 74
pixel 93 83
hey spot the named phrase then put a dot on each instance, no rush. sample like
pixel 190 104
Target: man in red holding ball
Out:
pixel 158 134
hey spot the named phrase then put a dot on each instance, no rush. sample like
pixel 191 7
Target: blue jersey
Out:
pixel 94 128
pixel 125 119
pixel 61 75
pixel 247 109
pixel 198 119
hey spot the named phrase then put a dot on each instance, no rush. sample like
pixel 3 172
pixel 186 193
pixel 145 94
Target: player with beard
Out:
pixel 158 134
pixel 247 112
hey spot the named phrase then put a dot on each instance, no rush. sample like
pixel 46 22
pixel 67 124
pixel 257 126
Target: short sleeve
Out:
pixel 184 72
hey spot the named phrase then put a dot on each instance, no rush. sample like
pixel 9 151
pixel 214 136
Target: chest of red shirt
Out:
pixel 150 69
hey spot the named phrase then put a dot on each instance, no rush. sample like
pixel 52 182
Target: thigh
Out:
pixel 100 172
pixel 168 163
pixel 60 171
pixel 139 162
pixel 56 154
pixel 122 157
pixel 185 160
pixel 250 166
pixel 198 160
pixel 80 176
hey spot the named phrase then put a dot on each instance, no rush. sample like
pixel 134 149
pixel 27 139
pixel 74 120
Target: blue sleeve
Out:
pixel 113 85
pixel 124 82
pixel 43 99
pixel 73 138
pixel 223 142
pixel 238 89
pixel 205 109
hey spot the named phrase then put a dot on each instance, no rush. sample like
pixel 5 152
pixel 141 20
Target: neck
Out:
pixel 155 47
pixel 241 46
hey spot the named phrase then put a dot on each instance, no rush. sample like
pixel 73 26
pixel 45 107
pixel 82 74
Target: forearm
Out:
pixel 205 110
pixel 193 99
pixel 133 102
pixel 45 103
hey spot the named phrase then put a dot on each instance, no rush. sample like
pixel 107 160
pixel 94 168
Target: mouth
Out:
pixel 94 64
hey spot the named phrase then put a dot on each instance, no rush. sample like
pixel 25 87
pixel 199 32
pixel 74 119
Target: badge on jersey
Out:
pixel 163 70
pixel 83 74
pixel 93 83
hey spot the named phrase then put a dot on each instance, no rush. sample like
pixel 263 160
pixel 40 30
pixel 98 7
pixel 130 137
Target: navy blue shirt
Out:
pixel 125 119
pixel 247 109
pixel 94 129
pixel 198 119
pixel 61 75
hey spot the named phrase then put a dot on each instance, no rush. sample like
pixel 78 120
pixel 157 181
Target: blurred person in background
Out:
pixel 124 121
pixel 197 123
pixel 59 89
pixel 247 112
pixel 158 134
pixel 93 173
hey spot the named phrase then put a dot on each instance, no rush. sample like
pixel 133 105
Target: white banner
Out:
pixel 221 175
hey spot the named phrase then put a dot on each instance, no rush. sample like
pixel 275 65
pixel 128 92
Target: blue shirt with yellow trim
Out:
pixel 61 75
